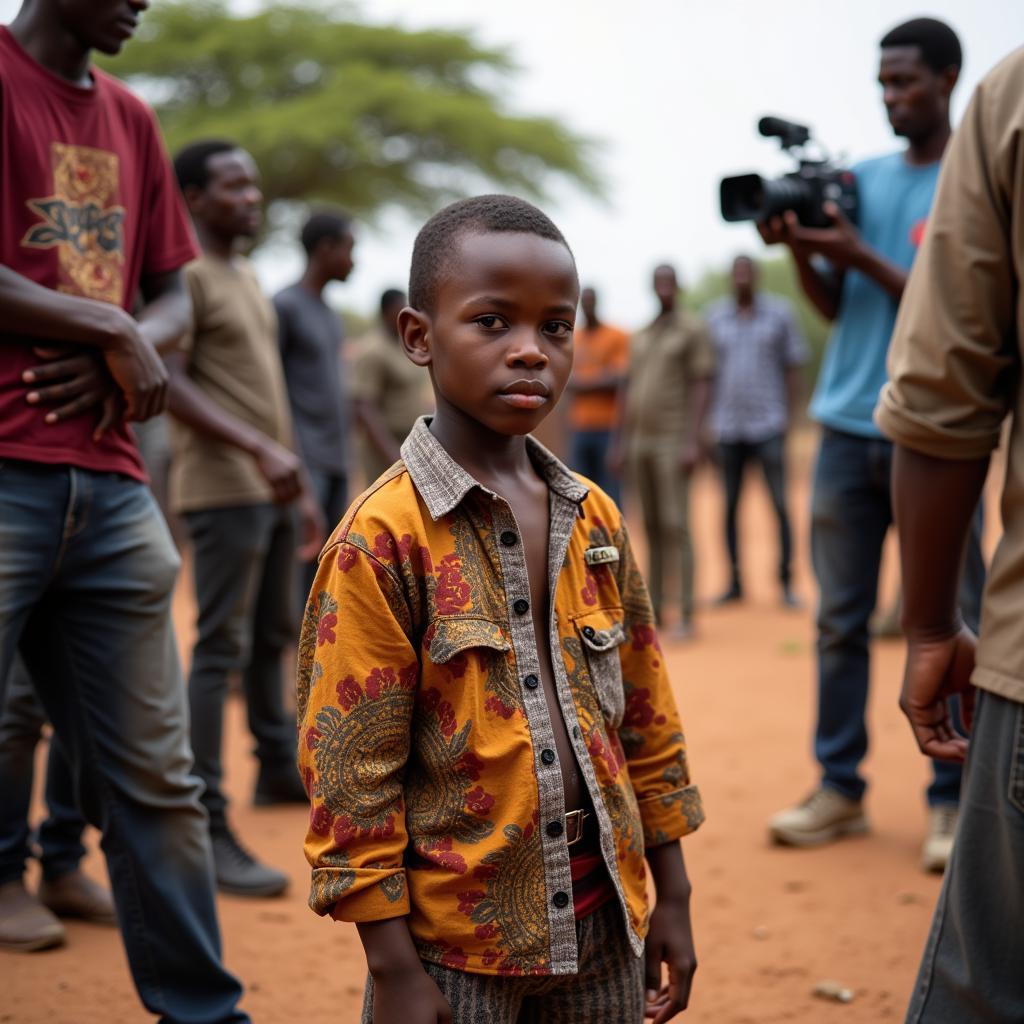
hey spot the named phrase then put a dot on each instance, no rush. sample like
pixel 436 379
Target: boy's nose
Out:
pixel 525 350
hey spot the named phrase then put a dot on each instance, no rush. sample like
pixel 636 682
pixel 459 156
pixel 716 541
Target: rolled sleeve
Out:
pixel 953 354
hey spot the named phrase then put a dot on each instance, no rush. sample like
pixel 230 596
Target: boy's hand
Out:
pixel 937 669
pixel 409 997
pixel 136 367
pixel 669 942
pixel 312 528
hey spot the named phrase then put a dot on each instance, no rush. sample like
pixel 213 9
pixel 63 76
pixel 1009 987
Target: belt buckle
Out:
pixel 574 826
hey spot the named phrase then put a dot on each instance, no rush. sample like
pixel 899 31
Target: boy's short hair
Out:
pixel 432 253
pixel 330 224
pixel 389 297
pixel 939 44
pixel 191 162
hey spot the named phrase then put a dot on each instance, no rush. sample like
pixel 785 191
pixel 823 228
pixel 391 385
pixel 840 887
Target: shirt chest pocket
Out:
pixel 448 638
pixel 601 633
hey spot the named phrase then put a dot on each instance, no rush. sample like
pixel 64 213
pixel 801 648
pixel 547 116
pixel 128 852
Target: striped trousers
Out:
pixel 609 988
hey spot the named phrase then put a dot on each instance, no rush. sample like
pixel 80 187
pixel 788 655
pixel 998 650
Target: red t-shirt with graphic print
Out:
pixel 88 205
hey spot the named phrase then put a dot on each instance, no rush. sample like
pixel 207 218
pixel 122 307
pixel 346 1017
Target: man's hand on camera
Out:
pixel 840 244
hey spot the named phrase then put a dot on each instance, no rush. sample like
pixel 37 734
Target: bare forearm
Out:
pixel 886 275
pixel 823 290
pixel 388 946
pixel 932 544
pixel 165 318
pixel 37 312
pixel 668 870
pixel 191 405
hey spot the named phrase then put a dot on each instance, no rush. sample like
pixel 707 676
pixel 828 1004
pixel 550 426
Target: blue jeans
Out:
pixel 87 569
pixel 59 837
pixel 971 969
pixel 851 511
pixel 589 456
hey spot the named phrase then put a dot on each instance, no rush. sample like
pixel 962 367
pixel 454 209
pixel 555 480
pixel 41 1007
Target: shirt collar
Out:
pixel 443 483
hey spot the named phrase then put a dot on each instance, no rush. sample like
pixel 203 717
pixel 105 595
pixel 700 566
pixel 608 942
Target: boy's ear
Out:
pixel 414 330
pixel 193 196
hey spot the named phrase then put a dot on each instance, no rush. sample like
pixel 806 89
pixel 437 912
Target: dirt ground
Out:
pixel 769 922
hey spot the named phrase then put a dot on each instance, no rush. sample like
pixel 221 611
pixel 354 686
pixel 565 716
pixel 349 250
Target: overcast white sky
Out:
pixel 673 89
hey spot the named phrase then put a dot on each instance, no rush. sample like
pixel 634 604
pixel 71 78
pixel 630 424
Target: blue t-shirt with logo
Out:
pixel 895 198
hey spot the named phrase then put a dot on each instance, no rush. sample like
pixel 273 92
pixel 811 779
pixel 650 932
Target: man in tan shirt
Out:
pixel 237 482
pixel 955 368
pixel 666 396
pixel 388 391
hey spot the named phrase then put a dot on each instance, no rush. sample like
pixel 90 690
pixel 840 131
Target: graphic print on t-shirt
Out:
pixel 88 233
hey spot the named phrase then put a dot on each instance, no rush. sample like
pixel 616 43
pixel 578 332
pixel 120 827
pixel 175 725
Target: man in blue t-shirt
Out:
pixel 855 277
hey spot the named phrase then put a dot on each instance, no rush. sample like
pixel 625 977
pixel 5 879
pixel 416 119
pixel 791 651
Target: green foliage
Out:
pixel 338 111
pixel 777 275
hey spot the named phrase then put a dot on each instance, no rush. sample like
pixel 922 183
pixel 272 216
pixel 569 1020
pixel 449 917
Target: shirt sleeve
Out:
pixel 954 348
pixel 194 284
pixel 170 243
pixel 651 734
pixel 700 351
pixel 357 680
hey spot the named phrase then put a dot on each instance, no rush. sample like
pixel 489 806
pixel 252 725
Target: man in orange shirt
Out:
pixel 602 353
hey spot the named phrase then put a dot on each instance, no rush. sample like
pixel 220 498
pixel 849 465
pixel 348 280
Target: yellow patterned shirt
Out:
pixel 424 737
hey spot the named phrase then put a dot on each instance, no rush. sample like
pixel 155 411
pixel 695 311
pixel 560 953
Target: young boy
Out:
pixel 486 728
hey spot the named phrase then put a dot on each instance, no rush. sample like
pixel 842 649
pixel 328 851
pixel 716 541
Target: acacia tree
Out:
pixel 341 111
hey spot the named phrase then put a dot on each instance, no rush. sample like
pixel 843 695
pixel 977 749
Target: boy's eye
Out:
pixel 558 329
pixel 490 322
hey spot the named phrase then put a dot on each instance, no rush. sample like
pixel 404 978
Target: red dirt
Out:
pixel 769 922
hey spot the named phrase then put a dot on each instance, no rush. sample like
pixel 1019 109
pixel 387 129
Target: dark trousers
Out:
pixel 87 569
pixel 244 566
pixel 771 454
pixel 59 837
pixel 971 969
pixel 851 512
pixel 589 456
pixel 331 490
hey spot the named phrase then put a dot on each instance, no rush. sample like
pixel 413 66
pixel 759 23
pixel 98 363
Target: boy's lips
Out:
pixel 525 394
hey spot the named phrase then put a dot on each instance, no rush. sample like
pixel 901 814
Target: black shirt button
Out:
pixel 508 538
pixel 588 632
pixel 560 899
pixel 531 682
pixel 555 829
pixel 547 756
pixel 522 606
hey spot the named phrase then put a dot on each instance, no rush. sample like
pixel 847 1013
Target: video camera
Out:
pixel 804 191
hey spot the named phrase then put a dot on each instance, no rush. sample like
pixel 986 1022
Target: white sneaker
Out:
pixel 823 817
pixel 941 832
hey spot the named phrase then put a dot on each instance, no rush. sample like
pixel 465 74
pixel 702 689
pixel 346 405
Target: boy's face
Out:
pixel 499 341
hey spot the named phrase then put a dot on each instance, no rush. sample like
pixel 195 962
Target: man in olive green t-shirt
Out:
pixel 237 483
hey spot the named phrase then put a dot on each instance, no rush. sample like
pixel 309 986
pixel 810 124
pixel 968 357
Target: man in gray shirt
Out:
pixel 311 335
pixel 760 358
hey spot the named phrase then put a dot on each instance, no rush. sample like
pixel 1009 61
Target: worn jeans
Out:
pixel 971 971
pixel 771 454
pixel 59 836
pixel 589 456
pixel 87 568
pixel 851 511
pixel 244 569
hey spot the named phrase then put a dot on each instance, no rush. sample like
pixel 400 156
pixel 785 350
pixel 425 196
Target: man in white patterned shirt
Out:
pixel 760 358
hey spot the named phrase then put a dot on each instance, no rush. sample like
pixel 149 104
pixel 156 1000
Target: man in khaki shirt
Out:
pixel 666 396
pixel 237 483
pixel 388 391
pixel 955 367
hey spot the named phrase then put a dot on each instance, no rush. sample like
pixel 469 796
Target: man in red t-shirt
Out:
pixel 89 220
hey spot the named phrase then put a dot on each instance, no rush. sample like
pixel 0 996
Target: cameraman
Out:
pixel 856 277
